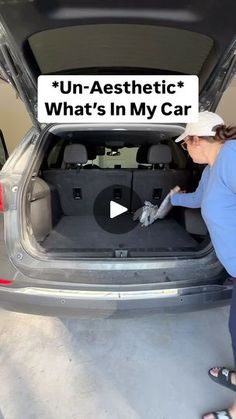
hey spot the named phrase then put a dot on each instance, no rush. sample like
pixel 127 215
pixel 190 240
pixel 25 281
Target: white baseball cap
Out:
pixel 206 126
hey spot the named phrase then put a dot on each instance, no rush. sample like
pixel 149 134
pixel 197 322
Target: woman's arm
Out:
pixel 228 171
pixel 192 199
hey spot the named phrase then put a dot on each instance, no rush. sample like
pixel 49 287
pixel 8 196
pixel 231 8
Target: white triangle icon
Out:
pixel 116 209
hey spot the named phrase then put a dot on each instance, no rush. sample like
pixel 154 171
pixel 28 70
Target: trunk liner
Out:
pixel 83 234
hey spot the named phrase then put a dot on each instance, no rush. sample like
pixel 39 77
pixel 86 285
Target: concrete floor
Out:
pixel 152 367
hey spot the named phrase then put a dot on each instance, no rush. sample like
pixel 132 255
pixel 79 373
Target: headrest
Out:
pixel 91 153
pixel 75 154
pixel 159 154
pixel 141 156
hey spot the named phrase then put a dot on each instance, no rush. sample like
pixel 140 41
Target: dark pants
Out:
pixel 232 321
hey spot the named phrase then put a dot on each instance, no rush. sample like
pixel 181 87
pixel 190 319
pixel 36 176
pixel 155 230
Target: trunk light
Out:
pixel 5 281
pixel 1 198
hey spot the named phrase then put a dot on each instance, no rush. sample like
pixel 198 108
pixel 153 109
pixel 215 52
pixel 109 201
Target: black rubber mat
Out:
pixel 85 234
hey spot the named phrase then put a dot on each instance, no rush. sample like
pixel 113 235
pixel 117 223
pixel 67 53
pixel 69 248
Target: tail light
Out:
pixel 1 198
pixel 5 281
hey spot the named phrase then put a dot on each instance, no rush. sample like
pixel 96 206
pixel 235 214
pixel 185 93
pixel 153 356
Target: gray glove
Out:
pixel 150 213
pixel 166 205
pixel 146 214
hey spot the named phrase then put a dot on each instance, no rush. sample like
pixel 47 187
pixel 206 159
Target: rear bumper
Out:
pixel 103 304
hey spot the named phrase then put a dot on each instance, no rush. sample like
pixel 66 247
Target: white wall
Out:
pixel 14 120
pixel 227 105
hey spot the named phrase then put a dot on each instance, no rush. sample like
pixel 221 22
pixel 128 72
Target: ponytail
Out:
pixel 224 133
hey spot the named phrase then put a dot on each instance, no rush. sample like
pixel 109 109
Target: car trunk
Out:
pixel 68 209
pixel 53 237
pixel 85 236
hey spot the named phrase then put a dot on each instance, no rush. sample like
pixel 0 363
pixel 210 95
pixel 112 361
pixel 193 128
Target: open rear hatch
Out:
pixel 87 37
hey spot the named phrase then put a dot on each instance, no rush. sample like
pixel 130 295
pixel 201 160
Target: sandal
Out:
pixel 223 378
pixel 221 414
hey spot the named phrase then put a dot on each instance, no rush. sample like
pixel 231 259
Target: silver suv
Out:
pixel 69 255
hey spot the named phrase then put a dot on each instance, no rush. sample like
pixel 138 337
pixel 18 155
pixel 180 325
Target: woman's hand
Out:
pixel 175 190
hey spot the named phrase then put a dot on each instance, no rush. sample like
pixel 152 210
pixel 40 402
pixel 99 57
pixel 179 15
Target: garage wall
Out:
pixel 227 105
pixel 14 119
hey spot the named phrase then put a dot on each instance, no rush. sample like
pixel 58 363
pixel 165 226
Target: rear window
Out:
pixel 125 46
pixel 125 159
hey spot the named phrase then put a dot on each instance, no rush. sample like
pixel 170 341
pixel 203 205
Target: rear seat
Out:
pixel 153 185
pixel 141 157
pixel 78 188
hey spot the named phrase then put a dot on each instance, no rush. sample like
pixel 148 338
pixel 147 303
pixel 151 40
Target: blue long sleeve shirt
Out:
pixel 216 196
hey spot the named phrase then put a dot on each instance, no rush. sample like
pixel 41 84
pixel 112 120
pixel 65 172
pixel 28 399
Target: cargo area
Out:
pixel 69 201
pixel 84 235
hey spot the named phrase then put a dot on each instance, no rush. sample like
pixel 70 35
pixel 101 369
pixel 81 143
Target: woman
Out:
pixel 210 142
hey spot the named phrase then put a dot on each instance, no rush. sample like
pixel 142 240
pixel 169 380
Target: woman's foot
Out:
pixel 215 371
pixel 223 376
pixel 231 414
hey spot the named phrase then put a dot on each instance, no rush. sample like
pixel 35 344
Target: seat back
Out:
pixel 141 157
pixel 153 185
pixel 78 188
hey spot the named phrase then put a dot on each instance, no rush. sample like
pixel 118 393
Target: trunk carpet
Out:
pixel 82 233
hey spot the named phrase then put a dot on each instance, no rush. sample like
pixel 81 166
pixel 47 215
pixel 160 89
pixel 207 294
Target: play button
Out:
pixel 116 209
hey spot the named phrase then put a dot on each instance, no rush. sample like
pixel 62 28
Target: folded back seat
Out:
pixel 155 183
pixel 78 188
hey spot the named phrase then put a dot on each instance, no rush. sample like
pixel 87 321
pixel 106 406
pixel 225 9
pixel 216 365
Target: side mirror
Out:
pixel 3 151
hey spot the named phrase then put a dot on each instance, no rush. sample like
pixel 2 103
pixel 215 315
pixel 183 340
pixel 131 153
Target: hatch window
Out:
pixel 99 48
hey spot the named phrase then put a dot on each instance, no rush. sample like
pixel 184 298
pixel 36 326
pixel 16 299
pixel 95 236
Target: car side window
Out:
pixel 54 155
pixel 3 151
